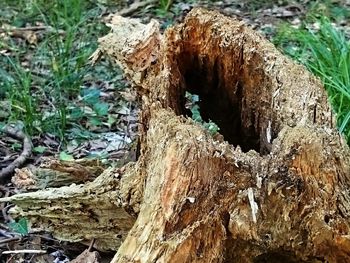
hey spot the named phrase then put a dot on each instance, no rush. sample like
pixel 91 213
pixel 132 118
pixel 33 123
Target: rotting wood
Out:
pixel 79 213
pixel 55 173
pixel 275 188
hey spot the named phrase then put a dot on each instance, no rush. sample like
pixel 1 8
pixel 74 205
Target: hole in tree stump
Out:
pixel 276 257
pixel 229 95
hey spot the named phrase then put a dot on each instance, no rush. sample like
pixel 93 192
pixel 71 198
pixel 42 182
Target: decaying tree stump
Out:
pixel 273 188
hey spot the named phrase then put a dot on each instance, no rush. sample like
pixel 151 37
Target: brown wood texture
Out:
pixel 273 187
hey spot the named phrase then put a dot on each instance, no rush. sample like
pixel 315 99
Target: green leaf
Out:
pixel 195 98
pixel 39 149
pixel 94 121
pixel 16 146
pixel 91 96
pixel 212 127
pixel 110 121
pixel 66 157
pixel 20 227
pixel 76 113
pixel 196 115
pixel 101 108
pixel 82 134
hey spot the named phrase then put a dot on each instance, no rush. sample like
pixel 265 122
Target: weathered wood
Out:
pixel 54 173
pixel 80 213
pixel 272 188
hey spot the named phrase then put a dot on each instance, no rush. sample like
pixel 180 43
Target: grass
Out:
pixel 335 10
pixel 19 93
pixel 48 86
pixel 325 51
pixel 46 82
pixel 43 81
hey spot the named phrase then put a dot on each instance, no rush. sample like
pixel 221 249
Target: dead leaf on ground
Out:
pixel 88 257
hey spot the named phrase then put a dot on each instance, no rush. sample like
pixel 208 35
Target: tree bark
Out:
pixel 273 187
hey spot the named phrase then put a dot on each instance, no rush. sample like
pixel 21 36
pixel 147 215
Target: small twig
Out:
pixel 5 227
pixel 135 6
pixel 10 259
pixel 26 152
pixel 25 251
pixel 5 233
pixel 7 217
pixel 2 143
pixel 2 207
pixel 91 244
pixel 7 240
pixel 30 28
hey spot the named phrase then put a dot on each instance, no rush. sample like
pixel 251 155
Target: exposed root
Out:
pixel 20 160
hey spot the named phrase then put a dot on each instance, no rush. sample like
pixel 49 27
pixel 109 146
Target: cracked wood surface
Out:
pixel 272 188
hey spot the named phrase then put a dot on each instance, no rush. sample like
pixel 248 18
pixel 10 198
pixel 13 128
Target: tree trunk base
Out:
pixel 272 187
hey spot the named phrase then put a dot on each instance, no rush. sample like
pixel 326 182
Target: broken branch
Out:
pixel 26 152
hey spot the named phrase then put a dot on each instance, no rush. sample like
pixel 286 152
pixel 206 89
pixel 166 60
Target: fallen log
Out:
pixel 272 187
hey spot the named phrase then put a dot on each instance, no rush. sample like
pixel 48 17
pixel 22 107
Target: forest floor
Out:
pixel 70 109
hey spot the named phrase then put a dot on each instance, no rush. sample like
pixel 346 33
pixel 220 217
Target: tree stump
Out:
pixel 272 187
